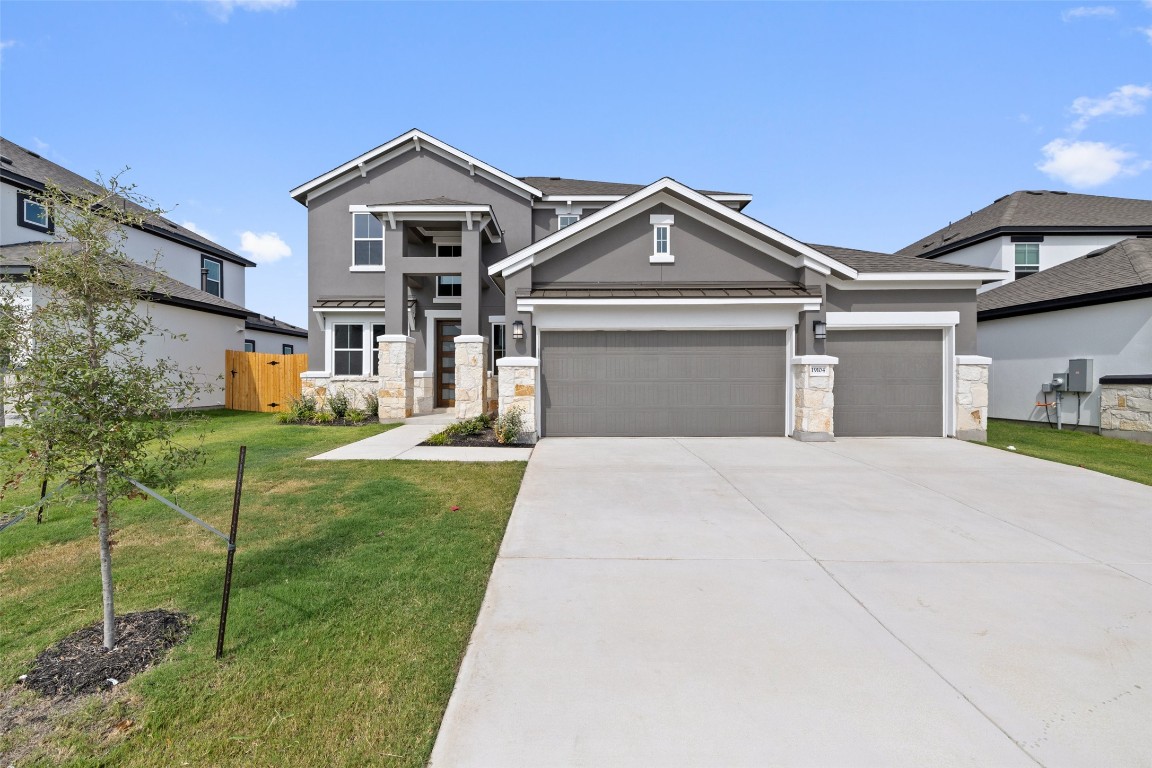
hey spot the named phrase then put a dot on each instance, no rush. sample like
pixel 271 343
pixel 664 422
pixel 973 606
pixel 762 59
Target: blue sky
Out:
pixel 865 125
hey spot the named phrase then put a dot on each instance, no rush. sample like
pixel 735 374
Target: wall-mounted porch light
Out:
pixel 411 315
pixel 518 330
pixel 819 330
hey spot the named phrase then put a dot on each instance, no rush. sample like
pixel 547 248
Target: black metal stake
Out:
pixel 231 552
pixel 44 486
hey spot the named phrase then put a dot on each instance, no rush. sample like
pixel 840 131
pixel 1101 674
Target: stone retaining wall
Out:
pixel 355 387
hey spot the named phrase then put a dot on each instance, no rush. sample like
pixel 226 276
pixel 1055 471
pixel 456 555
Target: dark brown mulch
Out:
pixel 485 439
pixel 78 664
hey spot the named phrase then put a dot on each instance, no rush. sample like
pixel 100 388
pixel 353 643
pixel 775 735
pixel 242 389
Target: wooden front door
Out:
pixel 446 333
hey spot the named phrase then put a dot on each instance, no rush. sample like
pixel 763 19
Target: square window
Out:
pixel 32 214
pixel 567 220
pixel 249 345
pixel 448 251
pixel 287 349
pixel 1027 259
pixel 449 286
pixel 212 276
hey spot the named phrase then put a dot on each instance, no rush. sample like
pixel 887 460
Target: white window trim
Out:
pixel 383 256
pixel 351 316
pixel 658 256
pixel 574 216
pixel 25 221
pixel 492 341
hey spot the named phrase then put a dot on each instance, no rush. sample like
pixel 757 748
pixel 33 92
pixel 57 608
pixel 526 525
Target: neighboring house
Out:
pixel 1098 306
pixel 199 290
pixel 617 309
pixel 1030 231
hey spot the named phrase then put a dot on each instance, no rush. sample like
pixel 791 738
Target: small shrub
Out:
pixel 301 410
pixel 338 403
pixel 440 438
pixel 323 417
pixel 283 418
pixel 371 404
pixel 354 416
pixel 472 426
pixel 508 425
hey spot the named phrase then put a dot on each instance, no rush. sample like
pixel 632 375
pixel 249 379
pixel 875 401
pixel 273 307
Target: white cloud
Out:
pixel 1089 11
pixel 222 9
pixel 1147 31
pixel 1125 100
pixel 264 248
pixel 202 232
pixel 5 45
pixel 41 146
pixel 1088 163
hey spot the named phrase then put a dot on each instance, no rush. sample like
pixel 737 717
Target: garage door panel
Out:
pixel 682 383
pixel 888 382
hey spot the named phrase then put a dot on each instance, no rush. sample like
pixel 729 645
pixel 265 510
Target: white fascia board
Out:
pixel 850 320
pixel 527 256
pixel 419 141
pixel 932 276
pixel 546 200
pixel 910 283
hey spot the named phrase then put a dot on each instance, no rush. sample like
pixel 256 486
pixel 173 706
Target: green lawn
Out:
pixel 1122 458
pixel 355 592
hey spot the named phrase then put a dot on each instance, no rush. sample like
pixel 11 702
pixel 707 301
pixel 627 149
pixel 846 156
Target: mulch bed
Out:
pixel 485 439
pixel 78 664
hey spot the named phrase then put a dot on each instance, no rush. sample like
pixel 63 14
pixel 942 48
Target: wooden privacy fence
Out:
pixel 258 381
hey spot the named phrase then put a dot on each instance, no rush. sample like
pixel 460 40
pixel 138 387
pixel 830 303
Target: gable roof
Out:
pixel 555 186
pixel 1117 272
pixel 876 262
pixel 1038 211
pixel 807 255
pixel 417 140
pixel 25 168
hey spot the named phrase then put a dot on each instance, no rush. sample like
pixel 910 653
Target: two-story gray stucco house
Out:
pixel 617 309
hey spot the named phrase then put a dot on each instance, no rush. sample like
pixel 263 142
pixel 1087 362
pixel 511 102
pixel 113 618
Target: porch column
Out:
pixel 470 283
pixel 518 390
pixel 395 282
pixel 813 377
pixel 972 397
pixel 395 386
pixel 471 375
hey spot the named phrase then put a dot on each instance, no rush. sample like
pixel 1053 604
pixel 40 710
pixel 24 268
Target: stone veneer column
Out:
pixel 518 388
pixel 813 377
pixel 972 397
pixel 471 375
pixel 396 391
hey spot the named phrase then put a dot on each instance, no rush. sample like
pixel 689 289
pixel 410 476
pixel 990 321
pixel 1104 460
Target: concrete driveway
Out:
pixel 765 602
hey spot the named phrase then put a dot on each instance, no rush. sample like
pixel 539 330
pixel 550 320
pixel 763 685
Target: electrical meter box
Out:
pixel 1080 375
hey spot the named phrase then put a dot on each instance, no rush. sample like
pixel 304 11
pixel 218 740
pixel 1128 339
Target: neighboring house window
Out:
pixel 249 345
pixel 348 349
pixel 212 276
pixel 448 251
pixel 567 220
pixel 31 214
pixel 287 349
pixel 1027 259
pixel 377 332
pixel 498 349
pixel 663 235
pixel 368 234
pixel 448 286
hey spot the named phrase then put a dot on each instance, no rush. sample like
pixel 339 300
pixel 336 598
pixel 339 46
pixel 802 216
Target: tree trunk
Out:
pixel 105 526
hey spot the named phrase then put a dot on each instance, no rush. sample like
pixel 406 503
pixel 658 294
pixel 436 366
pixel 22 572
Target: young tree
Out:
pixel 82 378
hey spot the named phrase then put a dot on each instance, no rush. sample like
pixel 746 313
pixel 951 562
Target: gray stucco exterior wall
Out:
pixel 918 300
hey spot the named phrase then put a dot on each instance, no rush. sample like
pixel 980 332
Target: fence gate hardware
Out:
pixel 273 362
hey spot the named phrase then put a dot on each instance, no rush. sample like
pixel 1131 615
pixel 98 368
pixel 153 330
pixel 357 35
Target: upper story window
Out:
pixel 448 251
pixel 663 238
pixel 368 236
pixel 31 214
pixel 567 220
pixel 1027 259
pixel 212 276
pixel 448 286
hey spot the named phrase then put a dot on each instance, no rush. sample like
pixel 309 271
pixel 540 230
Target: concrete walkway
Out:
pixel 754 602
pixel 403 442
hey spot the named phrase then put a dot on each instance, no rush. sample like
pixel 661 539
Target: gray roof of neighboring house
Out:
pixel 271 324
pixel 554 185
pixel 666 291
pixel 1117 272
pixel 872 261
pixel 163 289
pixel 23 166
pixel 1038 211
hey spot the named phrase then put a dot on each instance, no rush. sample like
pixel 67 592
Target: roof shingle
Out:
pixel 554 185
pixel 872 261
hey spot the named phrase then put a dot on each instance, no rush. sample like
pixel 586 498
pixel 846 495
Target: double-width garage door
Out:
pixel 888 382
pixel 662 383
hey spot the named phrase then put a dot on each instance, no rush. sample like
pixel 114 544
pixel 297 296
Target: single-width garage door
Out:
pixel 662 383
pixel 888 383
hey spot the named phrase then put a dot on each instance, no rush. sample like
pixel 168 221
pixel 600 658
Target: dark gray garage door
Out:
pixel 888 383
pixel 662 383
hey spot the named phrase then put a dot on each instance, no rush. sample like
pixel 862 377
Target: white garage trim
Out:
pixel 946 321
